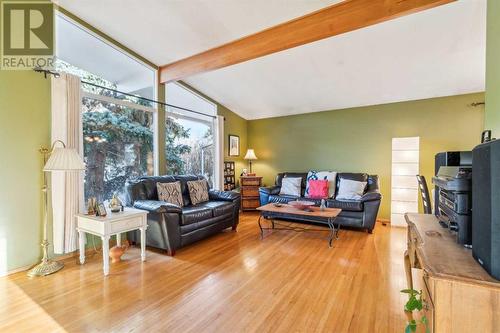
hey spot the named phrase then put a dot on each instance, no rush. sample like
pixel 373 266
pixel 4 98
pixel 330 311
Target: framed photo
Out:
pixel 101 210
pixel 234 145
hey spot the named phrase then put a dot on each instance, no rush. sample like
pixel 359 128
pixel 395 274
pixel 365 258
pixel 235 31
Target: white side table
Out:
pixel 112 224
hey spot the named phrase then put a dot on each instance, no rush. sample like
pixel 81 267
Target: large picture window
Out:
pixel 190 147
pixel 190 143
pixel 119 129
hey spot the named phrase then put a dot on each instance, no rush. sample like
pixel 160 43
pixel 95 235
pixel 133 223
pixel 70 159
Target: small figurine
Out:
pixel 115 204
pixel 91 206
pixel 323 205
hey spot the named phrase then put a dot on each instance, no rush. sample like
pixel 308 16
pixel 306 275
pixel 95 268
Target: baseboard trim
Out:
pixel 384 221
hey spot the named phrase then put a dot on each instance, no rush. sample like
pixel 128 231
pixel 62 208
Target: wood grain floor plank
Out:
pixel 232 282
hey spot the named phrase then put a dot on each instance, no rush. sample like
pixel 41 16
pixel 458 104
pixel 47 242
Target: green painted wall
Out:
pixel 492 115
pixel 24 127
pixel 359 139
pixel 235 125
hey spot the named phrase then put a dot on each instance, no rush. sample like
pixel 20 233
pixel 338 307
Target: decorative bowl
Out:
pixel 302 205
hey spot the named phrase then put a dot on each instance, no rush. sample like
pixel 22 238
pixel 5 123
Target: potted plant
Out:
pixel 414 303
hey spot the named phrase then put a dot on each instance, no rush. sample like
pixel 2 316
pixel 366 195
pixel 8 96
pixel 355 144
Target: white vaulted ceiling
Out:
pixel 438 52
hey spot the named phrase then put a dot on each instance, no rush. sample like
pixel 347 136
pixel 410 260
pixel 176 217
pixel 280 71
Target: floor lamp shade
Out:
pixel 64 159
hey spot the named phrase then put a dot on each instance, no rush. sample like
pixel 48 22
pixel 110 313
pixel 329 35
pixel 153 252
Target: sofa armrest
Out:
pixel 223 195
pixel 371 196
pixel 154 206
pixel 270 190
pixel 265 192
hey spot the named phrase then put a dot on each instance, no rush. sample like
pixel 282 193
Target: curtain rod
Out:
pixel 56 75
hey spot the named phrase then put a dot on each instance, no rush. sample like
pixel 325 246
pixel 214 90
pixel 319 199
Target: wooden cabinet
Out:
pixel 250 192
pixel 458 295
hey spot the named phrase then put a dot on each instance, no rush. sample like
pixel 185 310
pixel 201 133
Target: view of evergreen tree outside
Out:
pixel 117 139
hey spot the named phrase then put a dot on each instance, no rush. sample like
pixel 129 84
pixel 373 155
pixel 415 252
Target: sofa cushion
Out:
pixel 192 214
pixel 170 192
pixel 220 207
pixel 291 186
pixel 330 176
pixel 184 188
pixel 346 205
pixel 198 191
pixel 318 188
pixel 302 175
pixel 359 177
pixel 150 185
pixel 350 190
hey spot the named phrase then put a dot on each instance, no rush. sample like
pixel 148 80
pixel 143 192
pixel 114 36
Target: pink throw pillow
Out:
pixel 318 188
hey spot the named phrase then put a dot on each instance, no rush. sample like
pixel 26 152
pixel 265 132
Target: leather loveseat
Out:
pixel 355 213
pixel 170 226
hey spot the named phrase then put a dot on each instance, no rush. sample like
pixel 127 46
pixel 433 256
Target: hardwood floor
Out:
pixel 232 282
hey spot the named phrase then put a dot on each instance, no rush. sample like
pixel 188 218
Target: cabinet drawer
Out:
pixel 250 191
pixel 250 181
pixel 250 203
pixel 118 226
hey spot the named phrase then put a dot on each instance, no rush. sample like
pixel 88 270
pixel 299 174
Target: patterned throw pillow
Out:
pixel 331 176
pixel 170 192
pixel 198 191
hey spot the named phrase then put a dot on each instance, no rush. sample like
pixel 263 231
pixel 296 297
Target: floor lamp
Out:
pixel 54 159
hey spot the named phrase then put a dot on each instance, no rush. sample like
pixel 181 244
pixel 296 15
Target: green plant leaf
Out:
pixel 408 291
pixel 413 325
pixel 412 304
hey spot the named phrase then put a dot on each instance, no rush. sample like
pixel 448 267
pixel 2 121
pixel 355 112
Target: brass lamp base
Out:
pixel 45 268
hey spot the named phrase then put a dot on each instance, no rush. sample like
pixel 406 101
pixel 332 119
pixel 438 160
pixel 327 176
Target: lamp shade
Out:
pixel 64 159
pixel 250 155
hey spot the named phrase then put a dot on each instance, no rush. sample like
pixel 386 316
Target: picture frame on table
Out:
pixel 234 145
pixel 101 210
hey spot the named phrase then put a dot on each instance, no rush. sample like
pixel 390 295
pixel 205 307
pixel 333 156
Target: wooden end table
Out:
pixel 109 225
pixel 272 212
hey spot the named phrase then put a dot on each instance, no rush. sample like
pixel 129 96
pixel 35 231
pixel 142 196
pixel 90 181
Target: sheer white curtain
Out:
pixel 67 188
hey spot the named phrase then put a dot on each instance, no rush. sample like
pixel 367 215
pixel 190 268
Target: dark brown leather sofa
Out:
pixel 171 227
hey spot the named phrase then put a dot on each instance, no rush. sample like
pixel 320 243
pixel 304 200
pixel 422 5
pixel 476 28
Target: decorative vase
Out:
pixel 116 252
pixel 323 205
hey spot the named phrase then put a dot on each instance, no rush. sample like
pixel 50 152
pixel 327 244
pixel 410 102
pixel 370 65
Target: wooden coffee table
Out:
pixel 328 216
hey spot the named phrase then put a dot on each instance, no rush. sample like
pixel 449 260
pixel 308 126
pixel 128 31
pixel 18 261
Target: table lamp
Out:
pixel 54 159
pixel 250 156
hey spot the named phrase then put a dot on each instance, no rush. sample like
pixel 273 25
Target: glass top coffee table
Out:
pixel 273 212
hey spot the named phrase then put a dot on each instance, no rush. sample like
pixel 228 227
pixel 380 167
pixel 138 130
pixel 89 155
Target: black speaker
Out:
pixel 486 206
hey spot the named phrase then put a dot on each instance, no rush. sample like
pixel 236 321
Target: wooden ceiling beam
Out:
pixel 337 19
